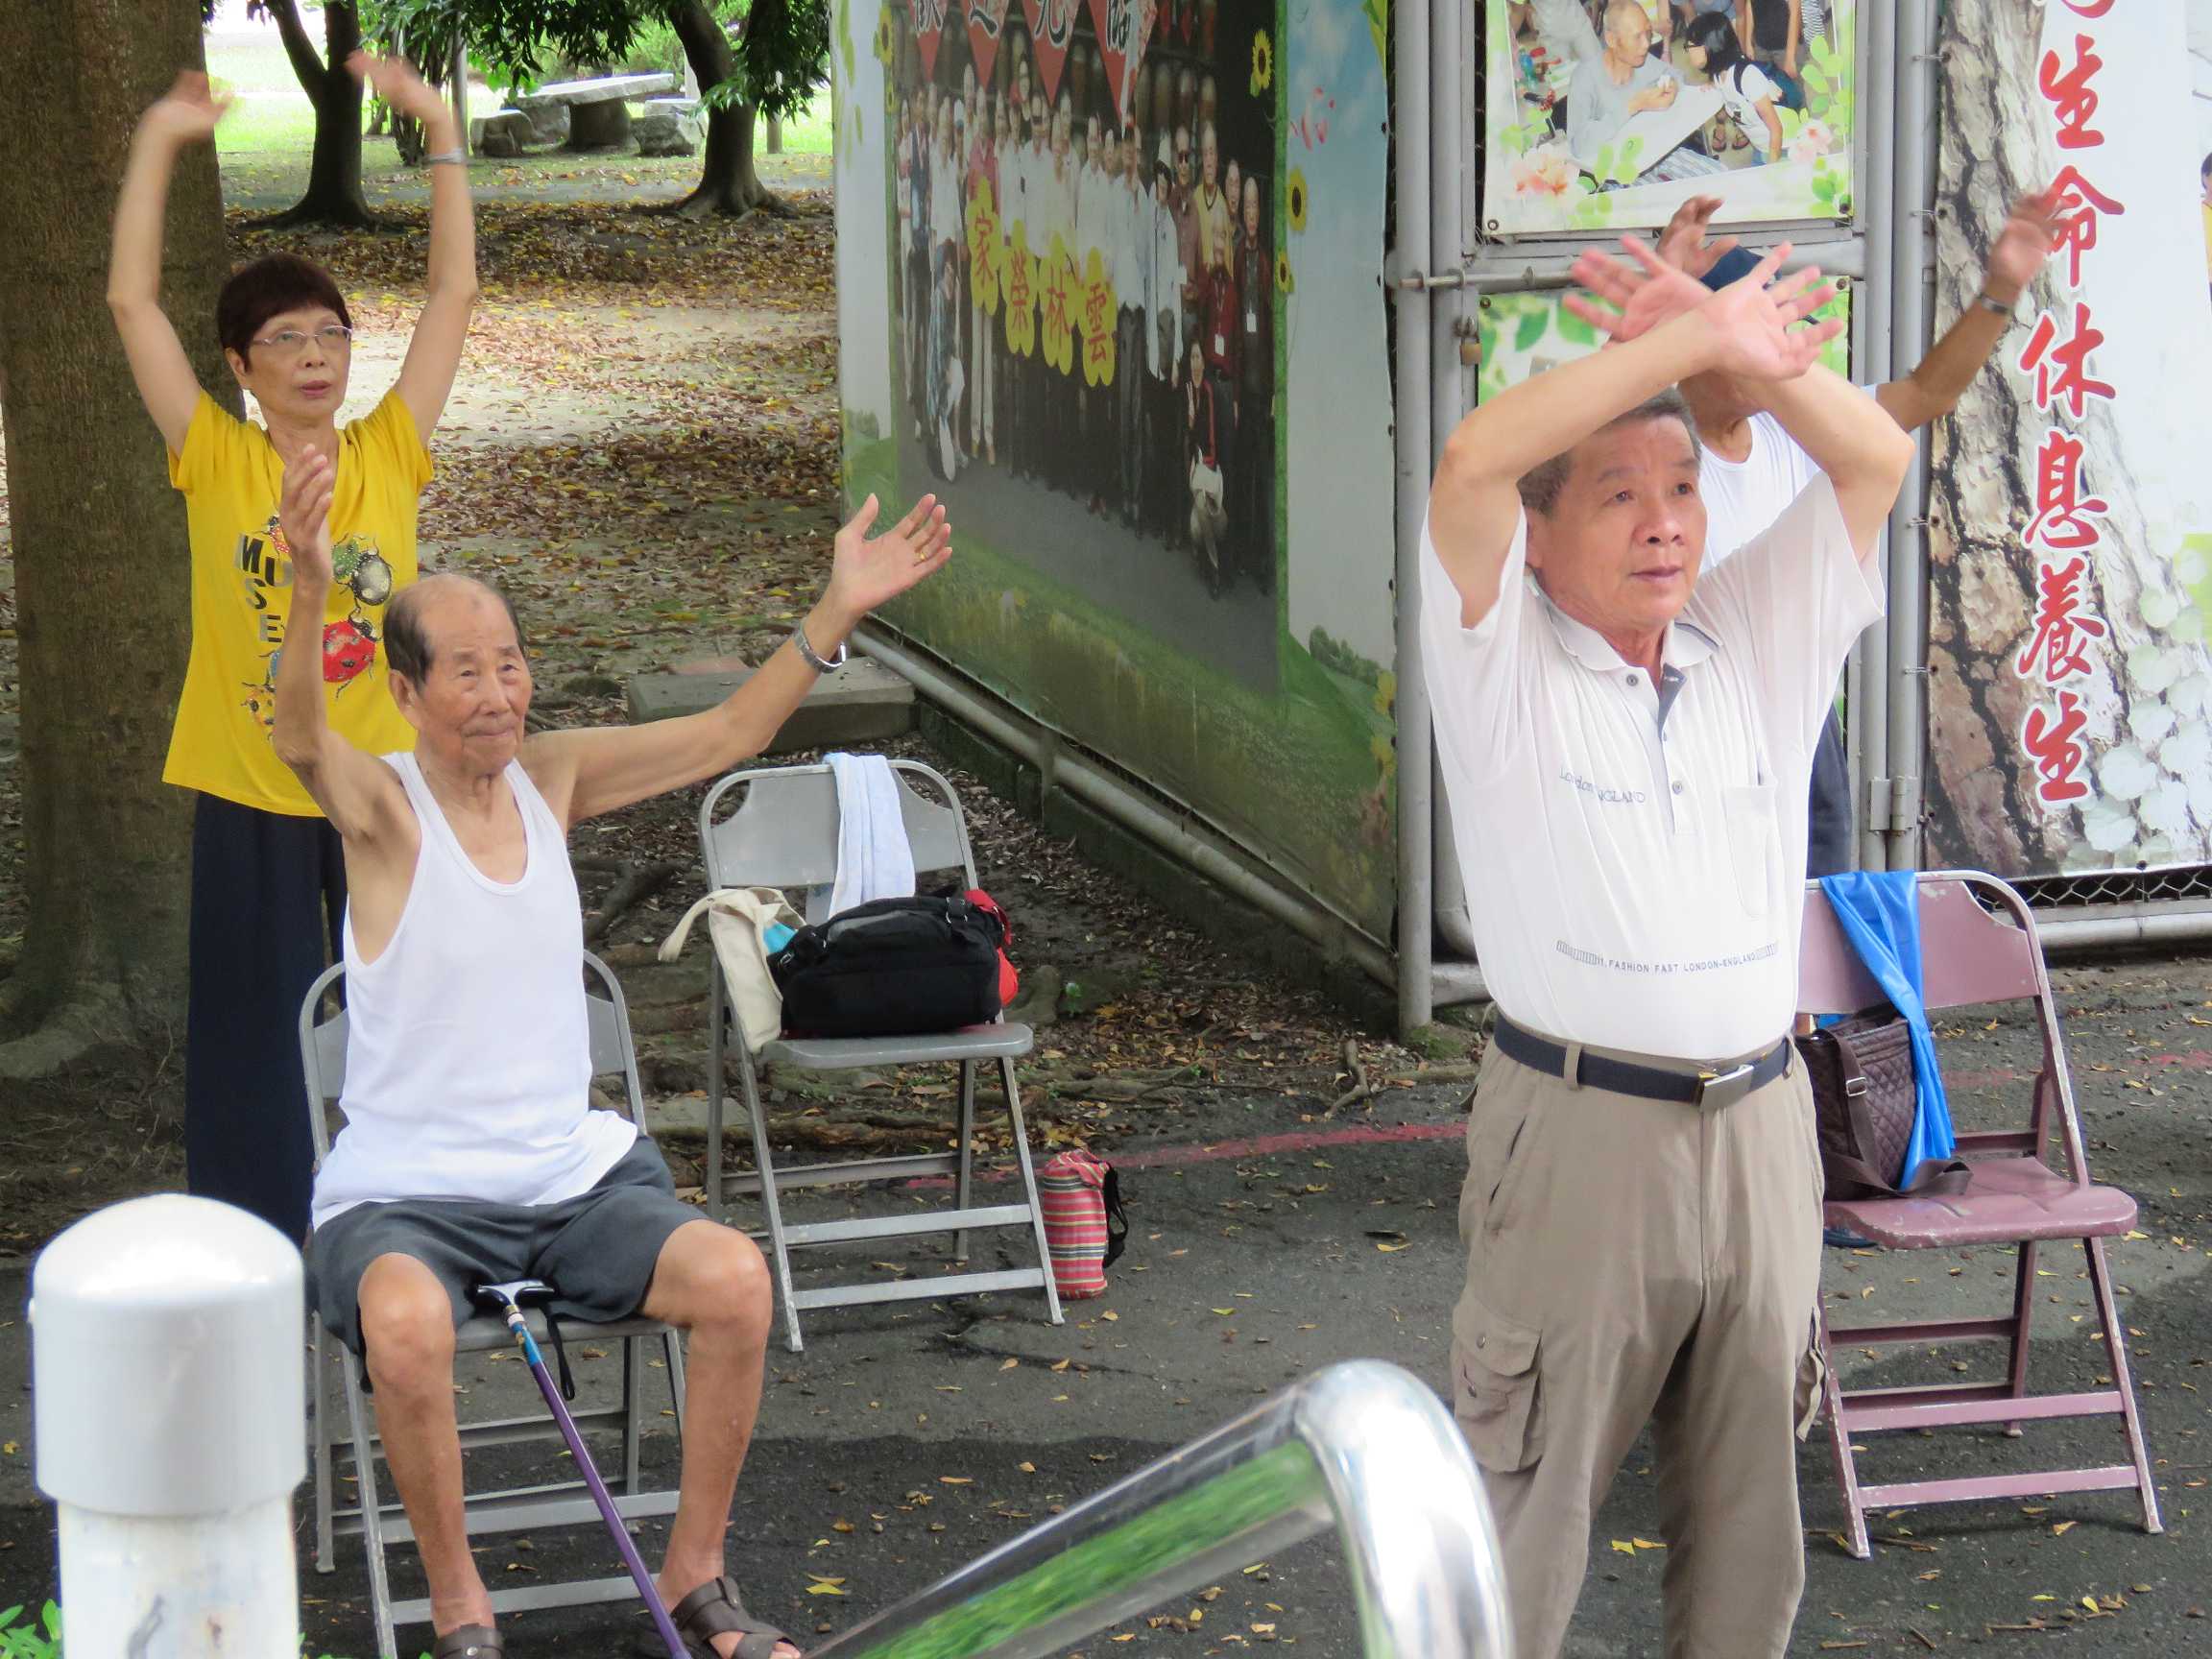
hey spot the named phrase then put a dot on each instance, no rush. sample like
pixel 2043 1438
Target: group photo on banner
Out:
pixel 1621 109
pixel 1084 296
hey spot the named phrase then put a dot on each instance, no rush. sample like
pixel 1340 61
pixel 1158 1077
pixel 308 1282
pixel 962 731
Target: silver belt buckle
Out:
pixel 1719 1088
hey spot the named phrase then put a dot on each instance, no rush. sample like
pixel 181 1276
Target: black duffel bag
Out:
pixel 891 968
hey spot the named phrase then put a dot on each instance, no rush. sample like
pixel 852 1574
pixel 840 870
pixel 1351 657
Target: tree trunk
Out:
pixel 334 173
pixel 726 183
pixel 102 576
pixel 775 137
pixel 1983 810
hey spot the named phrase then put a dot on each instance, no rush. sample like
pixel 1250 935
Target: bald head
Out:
pixel 431 606
pixel 1627 25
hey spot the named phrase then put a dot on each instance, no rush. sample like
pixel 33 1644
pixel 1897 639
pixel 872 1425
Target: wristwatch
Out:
pixel 813 657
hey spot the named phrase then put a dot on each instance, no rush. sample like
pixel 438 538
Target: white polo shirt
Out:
pixel 1633 856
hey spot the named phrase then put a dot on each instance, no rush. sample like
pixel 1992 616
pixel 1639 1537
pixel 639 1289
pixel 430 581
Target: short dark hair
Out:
pixel 1540 485
pixel 264 288
pixel 2206 171
pixel 407 647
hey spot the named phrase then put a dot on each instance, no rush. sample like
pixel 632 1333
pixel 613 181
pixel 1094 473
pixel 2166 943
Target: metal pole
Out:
pixel 1868 731
pixel 1415 467
pixel 1364 1445
pixel 1912 200
pixel 168 1371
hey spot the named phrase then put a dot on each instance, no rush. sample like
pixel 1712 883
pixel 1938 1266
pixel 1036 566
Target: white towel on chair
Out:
pixel 875 860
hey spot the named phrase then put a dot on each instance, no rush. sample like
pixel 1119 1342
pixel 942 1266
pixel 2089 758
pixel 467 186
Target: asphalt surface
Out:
pixel 909 1438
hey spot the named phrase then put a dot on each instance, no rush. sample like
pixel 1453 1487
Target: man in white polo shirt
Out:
pixel 1627 752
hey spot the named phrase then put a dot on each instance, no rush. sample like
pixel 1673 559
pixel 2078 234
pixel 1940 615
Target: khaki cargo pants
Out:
pixel 1635 1261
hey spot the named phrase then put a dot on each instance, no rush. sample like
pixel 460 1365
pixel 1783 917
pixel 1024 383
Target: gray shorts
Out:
pixel 597 1250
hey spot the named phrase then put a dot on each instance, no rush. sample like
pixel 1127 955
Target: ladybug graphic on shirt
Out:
pixel 348 644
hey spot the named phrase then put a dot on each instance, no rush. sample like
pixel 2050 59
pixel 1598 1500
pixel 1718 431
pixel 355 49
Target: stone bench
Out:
pixel 597 111
pixel 862 702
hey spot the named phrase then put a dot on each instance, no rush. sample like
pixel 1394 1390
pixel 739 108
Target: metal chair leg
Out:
pixel 965 1189
pixel 2130 1417
pixel 325 1500
pixel 715 1088
pixel 1840 1445
pixel 764 1161
pixel 673 1350
pixel 1029 1186
pixel 2023 1322
pixel 371 1516
pixel 633 1407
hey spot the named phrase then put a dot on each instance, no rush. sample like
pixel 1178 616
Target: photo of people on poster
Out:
pixel 1084 314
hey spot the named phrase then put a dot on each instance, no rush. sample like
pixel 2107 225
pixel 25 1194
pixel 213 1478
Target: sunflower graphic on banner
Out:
pixel 1124 29
pixel 1052 27
pixel 986 24
pixel 928 32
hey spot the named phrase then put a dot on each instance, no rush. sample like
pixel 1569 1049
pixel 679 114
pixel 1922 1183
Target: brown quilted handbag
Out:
pixel 1864 1100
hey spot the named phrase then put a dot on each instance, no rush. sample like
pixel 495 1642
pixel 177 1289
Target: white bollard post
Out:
pixel 167 1376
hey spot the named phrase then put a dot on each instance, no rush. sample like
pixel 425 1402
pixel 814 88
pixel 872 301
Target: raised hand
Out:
pixel 304 516
pixel 186 113
pixel 866 571
pixel 398 84
pixel 2032 232
pixel 1683 243
pixel 1755 326
pixel 1645 294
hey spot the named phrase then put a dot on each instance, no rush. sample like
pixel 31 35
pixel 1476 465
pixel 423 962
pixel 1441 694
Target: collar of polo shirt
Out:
pixel 1687 644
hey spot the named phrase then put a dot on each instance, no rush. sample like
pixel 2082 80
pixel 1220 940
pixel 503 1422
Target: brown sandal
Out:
pixel 469 1642
pixel 712 1610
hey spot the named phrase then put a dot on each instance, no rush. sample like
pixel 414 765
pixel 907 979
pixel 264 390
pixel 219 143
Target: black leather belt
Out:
pixel 1692 1086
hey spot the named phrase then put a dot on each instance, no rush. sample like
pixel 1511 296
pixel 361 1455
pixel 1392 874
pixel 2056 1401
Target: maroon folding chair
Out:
pixel 1978 945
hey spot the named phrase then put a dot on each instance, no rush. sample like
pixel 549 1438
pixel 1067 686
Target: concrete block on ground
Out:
pixel 863 702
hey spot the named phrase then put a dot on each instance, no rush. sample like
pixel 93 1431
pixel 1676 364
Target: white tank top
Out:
pixel 468 1055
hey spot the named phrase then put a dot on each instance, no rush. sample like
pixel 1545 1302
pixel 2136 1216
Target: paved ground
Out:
pixel 1283 1225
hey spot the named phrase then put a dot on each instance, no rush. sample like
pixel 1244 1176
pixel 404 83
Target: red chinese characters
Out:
pixel 2063 629
pixel 2072 99
pixel 2066 528
pixel 2053 739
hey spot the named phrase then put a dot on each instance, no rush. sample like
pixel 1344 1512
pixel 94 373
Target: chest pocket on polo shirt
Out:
pixel 1754 844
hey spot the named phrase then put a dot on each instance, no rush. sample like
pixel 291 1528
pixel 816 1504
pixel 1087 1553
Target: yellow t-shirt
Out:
pixel 232 478
pixel 2207 206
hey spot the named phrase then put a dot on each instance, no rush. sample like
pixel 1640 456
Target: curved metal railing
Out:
pixel 1362 1446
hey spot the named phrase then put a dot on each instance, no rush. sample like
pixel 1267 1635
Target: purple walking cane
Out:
pixel 507 1300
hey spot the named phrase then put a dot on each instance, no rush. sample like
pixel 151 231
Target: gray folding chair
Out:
pixel 783 833
pixel 512 1509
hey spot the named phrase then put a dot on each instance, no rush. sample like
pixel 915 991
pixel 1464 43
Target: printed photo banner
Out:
pixel 1606 122
pixel 1124 29
pixel 928 31
pixel 1051 30
pixel 2071 564
pixel 986 27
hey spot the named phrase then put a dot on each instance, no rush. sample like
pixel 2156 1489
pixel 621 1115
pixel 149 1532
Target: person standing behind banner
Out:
pixel 1162 439
pixel 1220 338
pixel 1202 460
pixel 268 877
pixel 1133 254
pixel 1254 465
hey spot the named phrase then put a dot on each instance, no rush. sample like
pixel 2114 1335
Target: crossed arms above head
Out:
pixel 1750 330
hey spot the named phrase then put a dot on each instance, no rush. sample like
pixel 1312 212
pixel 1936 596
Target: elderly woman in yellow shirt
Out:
pixel 267 874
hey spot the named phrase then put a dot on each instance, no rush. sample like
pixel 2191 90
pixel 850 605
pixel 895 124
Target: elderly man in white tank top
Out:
pixel 1627 747
pixel 471 1153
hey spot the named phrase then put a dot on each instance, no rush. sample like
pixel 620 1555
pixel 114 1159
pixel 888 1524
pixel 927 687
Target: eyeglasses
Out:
pixel 331 337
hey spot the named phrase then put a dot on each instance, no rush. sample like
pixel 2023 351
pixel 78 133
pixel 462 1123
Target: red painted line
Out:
pixel 1252 1146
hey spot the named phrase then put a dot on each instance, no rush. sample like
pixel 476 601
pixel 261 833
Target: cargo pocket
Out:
pixel 1811 1389
pixel 1495 1386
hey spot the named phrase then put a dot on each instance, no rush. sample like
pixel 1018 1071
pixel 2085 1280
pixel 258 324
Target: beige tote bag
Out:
pixel 738 921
